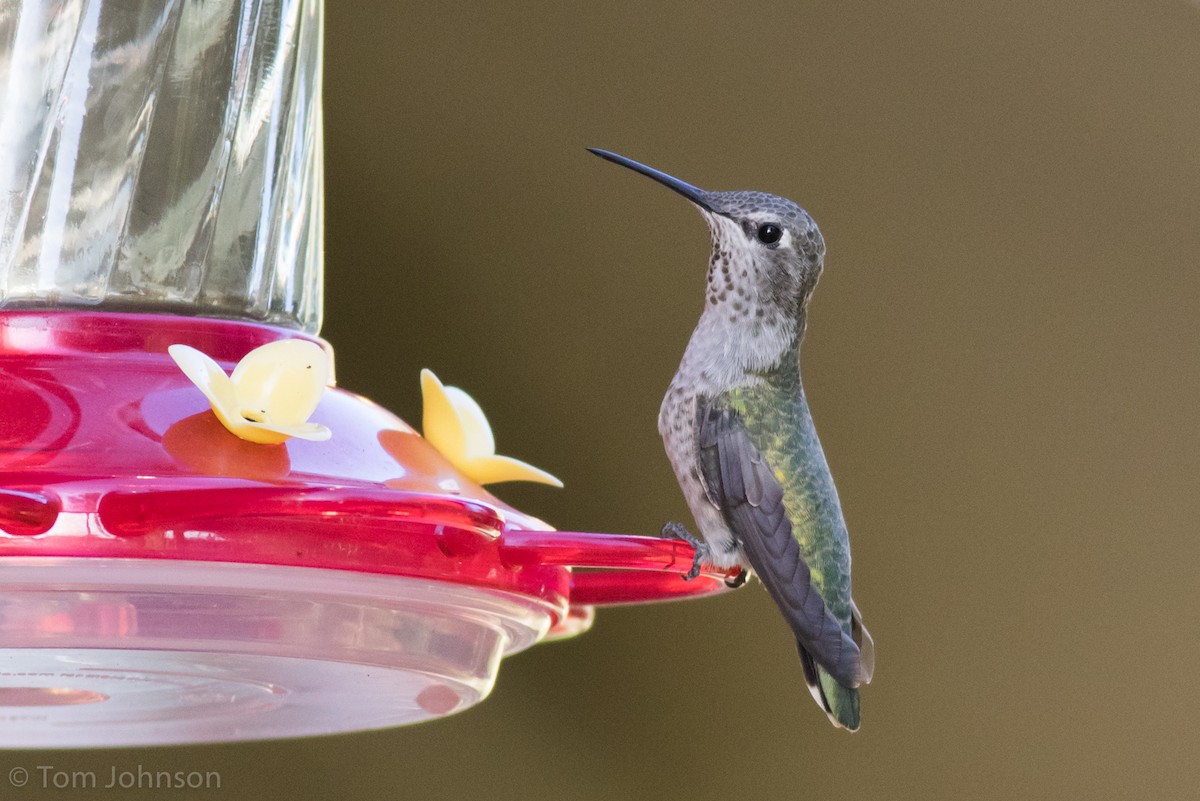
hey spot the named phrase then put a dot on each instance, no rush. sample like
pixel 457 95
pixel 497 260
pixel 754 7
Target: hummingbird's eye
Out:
pixel 769 233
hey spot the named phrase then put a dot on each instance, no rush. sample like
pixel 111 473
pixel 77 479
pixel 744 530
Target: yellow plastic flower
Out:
pixel 271 392
pixel 455 425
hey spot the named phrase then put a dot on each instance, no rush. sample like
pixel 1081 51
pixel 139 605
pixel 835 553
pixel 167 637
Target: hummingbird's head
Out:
pixel 765 249
pixel 767 252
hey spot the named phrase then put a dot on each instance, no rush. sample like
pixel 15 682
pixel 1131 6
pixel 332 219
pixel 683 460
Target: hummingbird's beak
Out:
pixel 692 193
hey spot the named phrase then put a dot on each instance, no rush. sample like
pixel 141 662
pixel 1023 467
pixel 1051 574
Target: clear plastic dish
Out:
pixel 110 652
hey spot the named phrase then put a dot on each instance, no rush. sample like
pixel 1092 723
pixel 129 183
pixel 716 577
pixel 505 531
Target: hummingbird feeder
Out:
pixel 202 538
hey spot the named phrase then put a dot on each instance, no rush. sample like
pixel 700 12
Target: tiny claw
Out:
pixel 677 531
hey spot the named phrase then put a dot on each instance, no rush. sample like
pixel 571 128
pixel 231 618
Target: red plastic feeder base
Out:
pixel 162 581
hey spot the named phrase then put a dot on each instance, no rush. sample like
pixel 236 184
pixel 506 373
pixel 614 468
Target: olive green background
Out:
pixel 1003 361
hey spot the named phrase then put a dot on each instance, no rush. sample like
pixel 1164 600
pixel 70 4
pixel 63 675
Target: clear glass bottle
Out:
pixel 162 156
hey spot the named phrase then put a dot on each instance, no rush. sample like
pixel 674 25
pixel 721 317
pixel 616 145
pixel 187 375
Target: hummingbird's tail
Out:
pixel 840 703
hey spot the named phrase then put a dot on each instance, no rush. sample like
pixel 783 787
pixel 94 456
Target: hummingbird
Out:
pixel 738 433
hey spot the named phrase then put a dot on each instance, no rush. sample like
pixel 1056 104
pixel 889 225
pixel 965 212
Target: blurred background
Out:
pixel 1003 362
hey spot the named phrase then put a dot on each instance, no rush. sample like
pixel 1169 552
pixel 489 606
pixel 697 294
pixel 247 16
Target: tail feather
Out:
pixel 840 703
pixel 865 642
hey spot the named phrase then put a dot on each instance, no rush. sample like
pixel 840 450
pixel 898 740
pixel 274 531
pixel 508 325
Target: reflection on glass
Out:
pixel 162 155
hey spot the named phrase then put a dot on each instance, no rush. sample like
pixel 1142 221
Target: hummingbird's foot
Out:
pixel 738 580
pixel 678 532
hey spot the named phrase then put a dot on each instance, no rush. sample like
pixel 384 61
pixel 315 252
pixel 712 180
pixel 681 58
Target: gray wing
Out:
pixel 742 485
